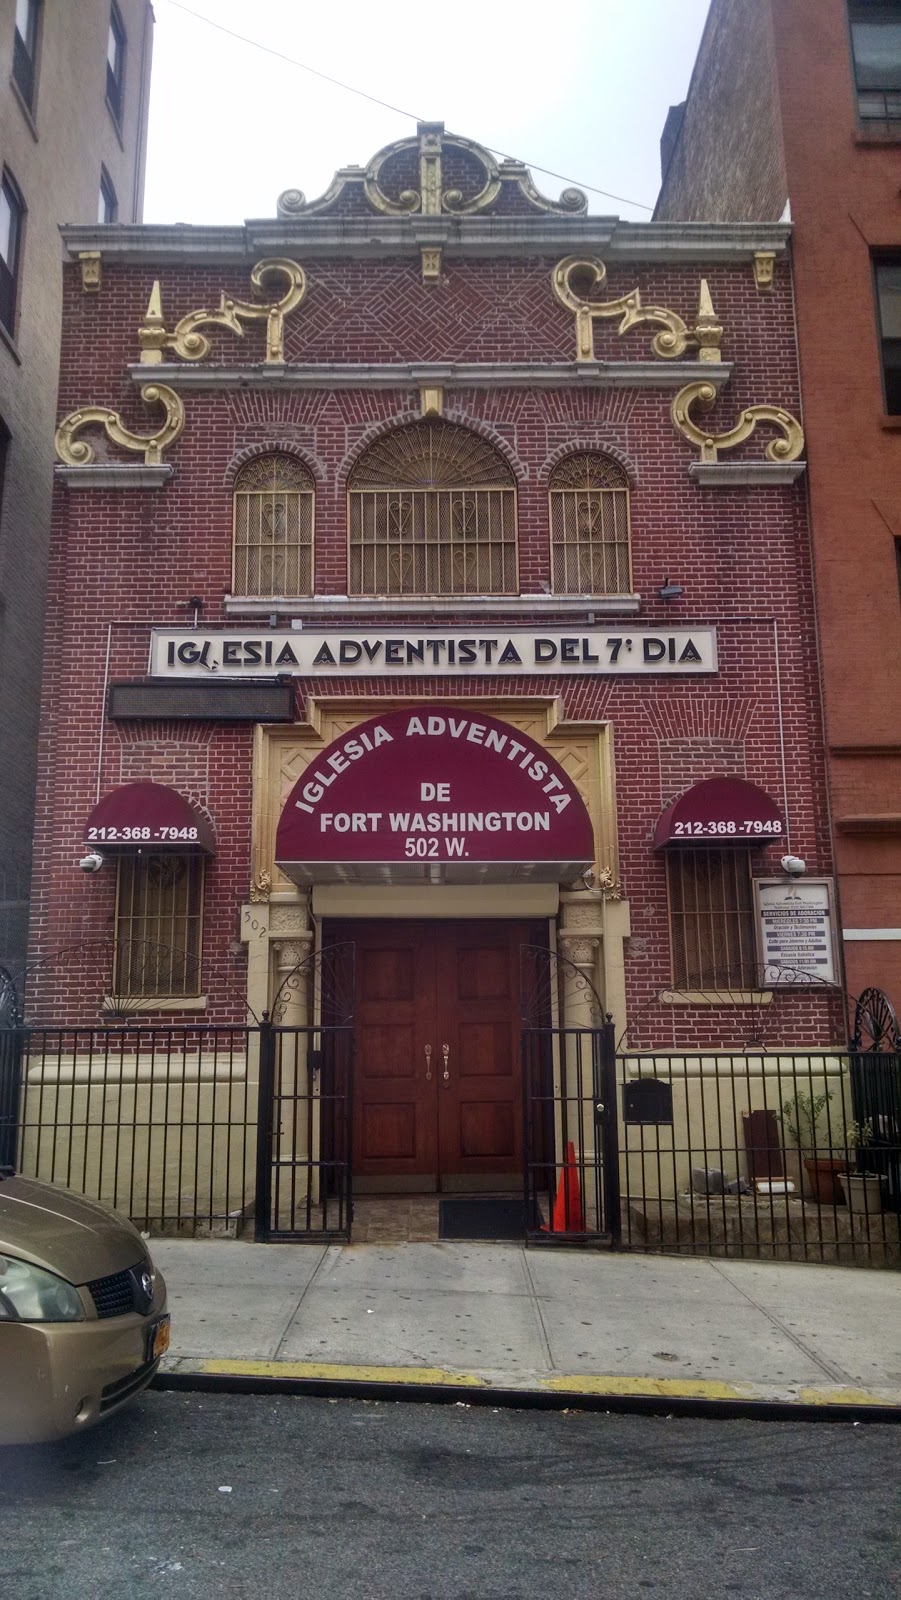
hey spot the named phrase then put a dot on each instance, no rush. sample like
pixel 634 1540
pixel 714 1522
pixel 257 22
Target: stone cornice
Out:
pixel 446 375
pixel 528 608
pixel 376 237
pixel 746 474
pixel 114 474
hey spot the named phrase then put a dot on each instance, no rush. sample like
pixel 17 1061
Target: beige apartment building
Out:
pixel 74 84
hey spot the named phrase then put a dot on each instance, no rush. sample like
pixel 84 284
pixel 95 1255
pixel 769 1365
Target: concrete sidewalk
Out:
pixel 556 1323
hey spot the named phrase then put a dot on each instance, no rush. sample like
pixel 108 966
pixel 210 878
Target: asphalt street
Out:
pixel 239 1497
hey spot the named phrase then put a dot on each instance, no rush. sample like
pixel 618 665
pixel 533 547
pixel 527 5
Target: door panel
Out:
pixel 437 984
pixel 395 1112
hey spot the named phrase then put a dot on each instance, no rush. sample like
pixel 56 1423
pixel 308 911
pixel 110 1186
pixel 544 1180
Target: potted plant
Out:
pixel 805 1119
pixel 862 1190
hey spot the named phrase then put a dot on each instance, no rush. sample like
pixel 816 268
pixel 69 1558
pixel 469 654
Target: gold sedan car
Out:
pixel 83 1319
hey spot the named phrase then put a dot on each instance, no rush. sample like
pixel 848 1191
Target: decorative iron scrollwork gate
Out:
pixel 304 1131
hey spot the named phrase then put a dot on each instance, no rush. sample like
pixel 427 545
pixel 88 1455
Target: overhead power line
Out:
pixel 386 105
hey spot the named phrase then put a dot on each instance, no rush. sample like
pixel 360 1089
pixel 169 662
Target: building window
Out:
pixel 876 46
pixel 273 527
pixel 432 512
pixel 590 551
pixel 25 49
pixel 159 906
pixel 888 292
pixel 115 63
pixel 711 918
pixel 107 204
pixel 12 217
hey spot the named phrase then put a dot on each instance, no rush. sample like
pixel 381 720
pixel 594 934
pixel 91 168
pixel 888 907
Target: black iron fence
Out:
pixel 570 1154
pixel 165 1123
pixel 767 1155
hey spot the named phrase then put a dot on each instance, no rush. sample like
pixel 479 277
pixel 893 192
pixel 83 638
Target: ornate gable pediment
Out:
pixel 435 174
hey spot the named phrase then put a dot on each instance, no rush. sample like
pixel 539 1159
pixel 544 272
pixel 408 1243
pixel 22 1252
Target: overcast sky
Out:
pixel 581 88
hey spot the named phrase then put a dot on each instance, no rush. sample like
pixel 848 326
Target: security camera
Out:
pixel 92 862
pixel 794 866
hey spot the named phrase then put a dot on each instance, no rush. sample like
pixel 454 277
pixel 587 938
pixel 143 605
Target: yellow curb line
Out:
pixel 560 1383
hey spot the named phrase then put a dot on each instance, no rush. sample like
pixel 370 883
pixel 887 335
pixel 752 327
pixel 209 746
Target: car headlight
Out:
pixel 29 1294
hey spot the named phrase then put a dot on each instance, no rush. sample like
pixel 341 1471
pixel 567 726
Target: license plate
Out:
pixel 158 1339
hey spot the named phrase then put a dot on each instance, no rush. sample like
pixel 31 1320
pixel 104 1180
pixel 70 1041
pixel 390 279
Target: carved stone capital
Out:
pixel 291 953
pixel 578 949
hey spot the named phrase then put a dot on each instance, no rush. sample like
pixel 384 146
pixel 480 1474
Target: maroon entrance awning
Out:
pixel 720 811
pixel 143 814
pixel 434 794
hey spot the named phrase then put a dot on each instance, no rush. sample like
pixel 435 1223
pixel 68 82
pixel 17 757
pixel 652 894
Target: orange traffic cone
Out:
pixel 568 1203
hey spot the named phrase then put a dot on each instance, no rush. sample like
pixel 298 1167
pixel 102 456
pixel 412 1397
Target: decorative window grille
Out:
pixel 711 918
pixel 274 528
pixel 159 906
pixel 432 512
pixel 590 548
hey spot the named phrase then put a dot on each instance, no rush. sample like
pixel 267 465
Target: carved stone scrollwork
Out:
pixel 578 949
pixel 609 884
pixel 188 342
pixel 75 452
pixel 261 888
pixel 703 395
pixel 671 342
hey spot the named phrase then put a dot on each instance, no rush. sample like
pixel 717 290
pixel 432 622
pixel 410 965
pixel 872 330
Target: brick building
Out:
pixel 752 141
pixel 460 600
pixel 73 123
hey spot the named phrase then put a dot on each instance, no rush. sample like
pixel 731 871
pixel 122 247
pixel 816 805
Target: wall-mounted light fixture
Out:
pixel 670 591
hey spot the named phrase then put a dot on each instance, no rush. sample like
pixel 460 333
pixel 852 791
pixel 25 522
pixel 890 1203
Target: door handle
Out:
pixel 445 1051
pixel 428 1063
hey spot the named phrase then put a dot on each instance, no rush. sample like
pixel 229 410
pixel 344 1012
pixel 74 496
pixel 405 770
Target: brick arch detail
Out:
pixel 403 419
pixel 273 447
pixel 596 446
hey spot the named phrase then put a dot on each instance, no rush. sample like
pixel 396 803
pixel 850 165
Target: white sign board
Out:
pixel 796 929
pixel 354 652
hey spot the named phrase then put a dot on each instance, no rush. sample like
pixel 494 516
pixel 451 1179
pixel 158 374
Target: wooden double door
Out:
pixel 437 1073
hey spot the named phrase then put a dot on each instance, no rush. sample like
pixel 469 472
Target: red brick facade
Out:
pixel 840 172
pixel 127 560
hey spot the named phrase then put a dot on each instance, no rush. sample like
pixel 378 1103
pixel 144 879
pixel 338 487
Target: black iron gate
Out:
pixel 304 1128
pixel 570 1156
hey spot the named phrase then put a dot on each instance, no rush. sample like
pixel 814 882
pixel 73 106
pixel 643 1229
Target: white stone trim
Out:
pixel 527 606
pixel 876 934
pixel 448 375
pixel 745 474
pixel 115 474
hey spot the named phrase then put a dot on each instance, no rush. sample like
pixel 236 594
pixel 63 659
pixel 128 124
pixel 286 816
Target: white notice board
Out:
pixel 796 929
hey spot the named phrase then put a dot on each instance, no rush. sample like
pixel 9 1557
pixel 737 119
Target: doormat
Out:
pixel 491 1218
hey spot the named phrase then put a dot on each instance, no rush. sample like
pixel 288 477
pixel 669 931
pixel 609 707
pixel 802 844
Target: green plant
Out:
pixel 859 1134
pixel 805 1119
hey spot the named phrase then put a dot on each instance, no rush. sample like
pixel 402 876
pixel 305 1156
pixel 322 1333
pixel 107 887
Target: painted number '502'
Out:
pixel 421 847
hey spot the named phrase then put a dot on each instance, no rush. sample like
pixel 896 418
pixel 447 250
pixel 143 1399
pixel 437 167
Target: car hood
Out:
pixel 64 1232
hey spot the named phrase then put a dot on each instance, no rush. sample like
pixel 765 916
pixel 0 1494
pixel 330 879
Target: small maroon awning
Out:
pixel 138 815
pixel 720 811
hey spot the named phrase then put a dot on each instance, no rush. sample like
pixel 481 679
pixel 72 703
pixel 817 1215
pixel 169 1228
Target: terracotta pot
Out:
pixel 822 1175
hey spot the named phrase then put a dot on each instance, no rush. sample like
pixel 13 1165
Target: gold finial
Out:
pixel 152 335
pixel 708 330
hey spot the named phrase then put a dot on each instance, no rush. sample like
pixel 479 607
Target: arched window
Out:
pixel 273 527
pixel 590 551
pixel 432 512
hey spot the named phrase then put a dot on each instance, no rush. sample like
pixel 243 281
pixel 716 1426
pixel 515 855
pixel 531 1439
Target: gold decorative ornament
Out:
pixel 672 341
pixel 703 395
pixel 192 345
pixel 431 402
pixel 418 187
pixel 75 452
pixel 609 884
pixel 764 266
pixel 91 270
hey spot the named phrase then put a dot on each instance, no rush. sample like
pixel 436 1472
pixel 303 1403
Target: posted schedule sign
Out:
pixel 797 929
